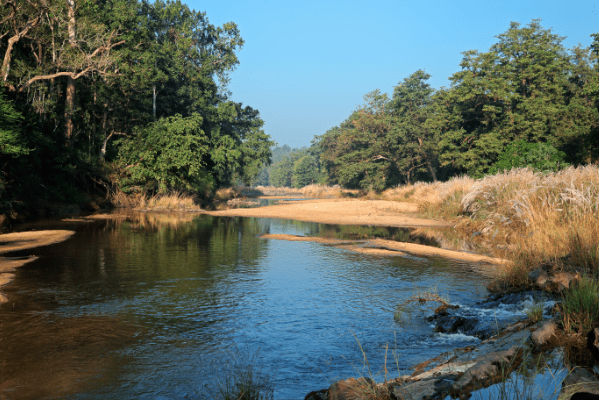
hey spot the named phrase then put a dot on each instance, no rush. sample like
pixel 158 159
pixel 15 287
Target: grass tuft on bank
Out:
pixel 175 201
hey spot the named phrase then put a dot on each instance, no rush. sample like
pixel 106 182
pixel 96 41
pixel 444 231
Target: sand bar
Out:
pixel 17 241
pixel 382 247
pixel 340 211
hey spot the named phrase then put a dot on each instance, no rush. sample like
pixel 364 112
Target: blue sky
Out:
pixel 306 65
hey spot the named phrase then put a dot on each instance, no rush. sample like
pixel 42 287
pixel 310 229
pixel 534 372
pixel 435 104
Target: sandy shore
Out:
pixel 341 212
pixel 17 241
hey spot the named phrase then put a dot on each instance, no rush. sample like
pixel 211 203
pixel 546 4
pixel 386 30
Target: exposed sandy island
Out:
pixel 340 211
pixel 316 239
pixel 17 241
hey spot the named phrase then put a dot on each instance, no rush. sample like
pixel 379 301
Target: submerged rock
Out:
pixel 456 324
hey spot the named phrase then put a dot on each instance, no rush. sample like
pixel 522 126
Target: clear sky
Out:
pixel 306 64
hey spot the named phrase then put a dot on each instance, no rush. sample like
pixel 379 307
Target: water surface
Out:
pixel 161 307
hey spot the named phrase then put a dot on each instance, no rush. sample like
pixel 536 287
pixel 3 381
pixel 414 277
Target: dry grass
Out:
pixel 236 192
pixel 310 191
pixel 528 217
pixel 160 202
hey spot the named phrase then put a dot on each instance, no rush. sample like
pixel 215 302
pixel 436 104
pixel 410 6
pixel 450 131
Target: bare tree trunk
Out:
pixel 104 126
pixel 70 94
pixel 432 171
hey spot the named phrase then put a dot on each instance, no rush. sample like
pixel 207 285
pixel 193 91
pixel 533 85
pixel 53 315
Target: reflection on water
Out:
pixel 151 305
pixel 45 356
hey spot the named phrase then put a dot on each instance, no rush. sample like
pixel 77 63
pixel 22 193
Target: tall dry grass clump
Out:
pixel 175 201
pixel 436 199
pixel 315 191
pixel 526 216
pixel 535 218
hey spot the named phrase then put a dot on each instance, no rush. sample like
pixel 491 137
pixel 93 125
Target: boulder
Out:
pixel 538 277
pixel 455 323
pixel 317 395
pixel 443 309
pixel 426 389
pixel 489 369
pixel 580 384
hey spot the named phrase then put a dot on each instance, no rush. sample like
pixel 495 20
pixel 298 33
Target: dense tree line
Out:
pixel 127 93
pixel 291 168
pixel 526 101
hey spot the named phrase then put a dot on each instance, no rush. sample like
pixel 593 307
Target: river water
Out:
pixel 155 306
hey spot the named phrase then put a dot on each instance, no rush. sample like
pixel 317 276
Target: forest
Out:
pixel 527 101
pixel 118 95
pixel 130 96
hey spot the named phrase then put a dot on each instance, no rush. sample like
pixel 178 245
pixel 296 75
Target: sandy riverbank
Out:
pixel 17 241
pixel 341 212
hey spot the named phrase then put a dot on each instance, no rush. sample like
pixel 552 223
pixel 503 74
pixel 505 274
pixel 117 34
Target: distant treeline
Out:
pixel 528 101
pixel 129 95
pixel 291 168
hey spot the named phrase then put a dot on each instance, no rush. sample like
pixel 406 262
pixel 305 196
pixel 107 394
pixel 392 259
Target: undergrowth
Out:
pixel 580 306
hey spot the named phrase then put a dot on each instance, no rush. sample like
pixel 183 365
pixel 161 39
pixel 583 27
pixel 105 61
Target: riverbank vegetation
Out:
pixel 128 96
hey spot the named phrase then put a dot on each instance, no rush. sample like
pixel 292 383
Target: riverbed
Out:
pixel 159 306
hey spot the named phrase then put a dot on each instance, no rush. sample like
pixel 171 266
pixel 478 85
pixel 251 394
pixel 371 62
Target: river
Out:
pixel 156 306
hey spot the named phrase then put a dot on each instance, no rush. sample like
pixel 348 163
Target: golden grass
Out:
pixel 528 217
pixel 235 192
pixel 175 201
pixel 310 191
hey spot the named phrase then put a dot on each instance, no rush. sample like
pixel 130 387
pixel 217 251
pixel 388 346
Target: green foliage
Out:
pixel 535 313
pixel 527 101
pixel 151 73
pixel 580 306
pixel 305 171
pixel 293 168
pixel 11 143
pixel 167 155
pixel 281 173
pixel 538 156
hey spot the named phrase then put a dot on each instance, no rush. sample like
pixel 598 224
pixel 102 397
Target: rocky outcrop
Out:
pixel 486 318
pixel 580 384
pixel 461 372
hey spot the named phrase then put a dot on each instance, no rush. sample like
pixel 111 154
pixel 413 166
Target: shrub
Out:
pixel 538 156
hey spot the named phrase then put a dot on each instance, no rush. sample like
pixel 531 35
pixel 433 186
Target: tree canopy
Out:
pixel 526 94
pixel 79 74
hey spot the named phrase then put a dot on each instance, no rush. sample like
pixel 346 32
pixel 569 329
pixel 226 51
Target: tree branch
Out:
pixel 11 42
